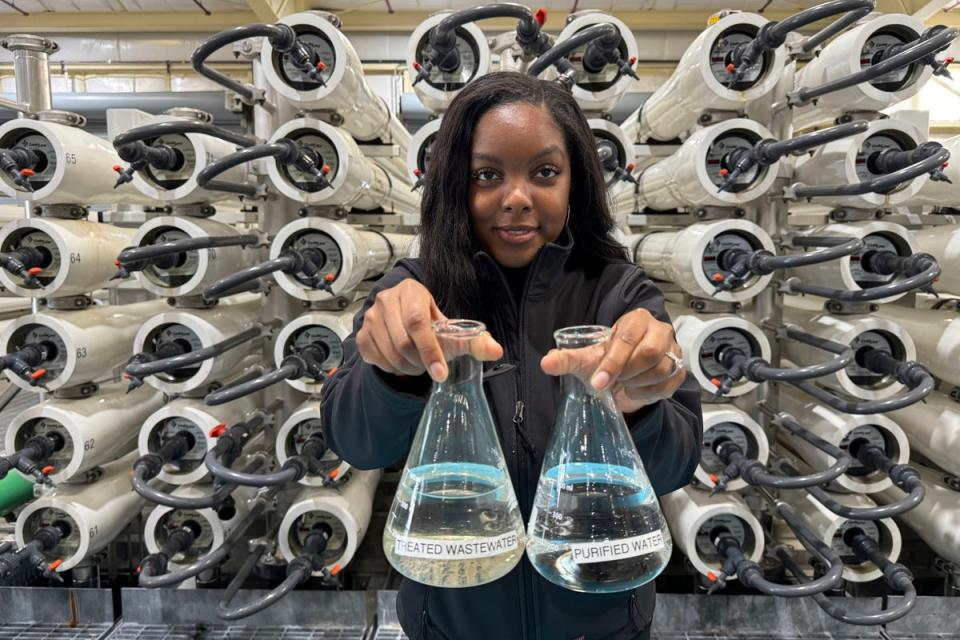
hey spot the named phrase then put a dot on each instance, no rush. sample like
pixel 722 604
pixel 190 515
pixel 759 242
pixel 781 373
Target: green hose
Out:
pixel 15 490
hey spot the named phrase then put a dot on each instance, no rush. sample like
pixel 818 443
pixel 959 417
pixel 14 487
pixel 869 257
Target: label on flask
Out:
pixel 619 549
pixel 463 549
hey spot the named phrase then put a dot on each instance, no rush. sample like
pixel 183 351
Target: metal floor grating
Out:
pixel 133 631
pixel 15 631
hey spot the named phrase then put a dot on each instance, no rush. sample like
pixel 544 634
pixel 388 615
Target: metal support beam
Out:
pixel 273 10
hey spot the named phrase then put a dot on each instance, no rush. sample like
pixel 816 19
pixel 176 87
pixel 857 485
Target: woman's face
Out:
pixel 519 182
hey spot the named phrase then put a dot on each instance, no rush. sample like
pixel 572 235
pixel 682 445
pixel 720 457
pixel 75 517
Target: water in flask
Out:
pixel 454 521
pixel 596 525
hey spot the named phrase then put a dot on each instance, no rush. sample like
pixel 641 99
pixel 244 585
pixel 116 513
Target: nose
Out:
pixel 517 197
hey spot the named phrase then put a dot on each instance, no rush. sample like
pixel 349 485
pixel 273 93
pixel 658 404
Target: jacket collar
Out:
pixel 549 262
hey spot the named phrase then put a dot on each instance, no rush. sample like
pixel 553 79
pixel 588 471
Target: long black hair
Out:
pixel 447 243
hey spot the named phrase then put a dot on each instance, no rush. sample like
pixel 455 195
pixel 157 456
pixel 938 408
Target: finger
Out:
pixel 485 348
pixel 660 373
pixel 650 354
pixel 627 334
pixel 418 324
pixel 657 391
pixel 395 362
pixel 580 362
pixel 401 339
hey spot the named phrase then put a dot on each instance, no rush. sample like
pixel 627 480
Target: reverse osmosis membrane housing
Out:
pixel 88 344
pixel 74 166
pixel 305 421
pixel 327 329
pixel 941 193
pixel 849 53
pixel 701 81
pixel 936 335
pixel 726 421
pixel 345 508
pixel 933 429
pixel 351 254
pixel 694 516
pixel 94 514
pixel 95 430
pixel 198 329
pixel 943 243
pixel 78 255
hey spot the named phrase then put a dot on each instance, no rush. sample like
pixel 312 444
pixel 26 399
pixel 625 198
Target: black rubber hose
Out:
pixel 560 50
pixel 281 37
pixel 137 258
pixel 759 370
pixel 280 149
pixel 292 471
pixel 751 575
pixel 289 371
pixel 770 150
pixel 210 501
pixel 879 184
pixel 285 262
pixel 899 579
pixel 28 459
pixel 157 129
pixel 179 540
pixel 914 53
pixel 166 365
pixel 20 261
pixel 923 270
pixel 835 27
pixel 443 36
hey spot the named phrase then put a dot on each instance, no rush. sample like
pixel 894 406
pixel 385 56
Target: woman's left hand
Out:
pixel 634 361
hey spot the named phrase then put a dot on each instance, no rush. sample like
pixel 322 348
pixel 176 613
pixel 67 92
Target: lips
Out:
pixel 516 234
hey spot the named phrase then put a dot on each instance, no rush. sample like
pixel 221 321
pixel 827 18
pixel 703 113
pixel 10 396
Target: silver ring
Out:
pixel 677 363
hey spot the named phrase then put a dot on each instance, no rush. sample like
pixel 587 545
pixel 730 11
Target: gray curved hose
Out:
pixel 880 184
pixel 835 611
pixel 221 287
pixel 838 25
pixel 844 247
pixel 560 50
pixel 215 556
pixel 158 129
pixel 923 279
pixel 759 370
pixel 289 583
pixel 288 371
pixel 269 150
pixel 444 39
pixel 914 53
pixel 151 251
pixel 281 37
pixel 913 498
pixel 917 392
pixel 144 369
pixel 287 474
pixel 215 499
pixel 769 151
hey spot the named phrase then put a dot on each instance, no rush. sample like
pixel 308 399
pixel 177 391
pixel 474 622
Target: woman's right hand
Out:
pixel 397 335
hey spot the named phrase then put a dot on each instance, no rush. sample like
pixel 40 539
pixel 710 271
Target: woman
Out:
pixel 516 233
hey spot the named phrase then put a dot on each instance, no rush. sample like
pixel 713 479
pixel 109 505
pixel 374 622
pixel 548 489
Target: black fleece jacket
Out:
pixel 370 422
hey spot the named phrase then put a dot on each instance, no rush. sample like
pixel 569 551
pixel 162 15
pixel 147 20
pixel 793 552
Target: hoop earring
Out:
pixel 567 221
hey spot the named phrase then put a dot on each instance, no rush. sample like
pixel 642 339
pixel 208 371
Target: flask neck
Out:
pixel 463 370
pixel 575 385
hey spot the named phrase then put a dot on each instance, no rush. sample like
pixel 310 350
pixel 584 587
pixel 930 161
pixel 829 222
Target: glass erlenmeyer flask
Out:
pixel 454 521
pixel 596 525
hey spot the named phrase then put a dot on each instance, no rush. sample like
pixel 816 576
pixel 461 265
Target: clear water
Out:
pixel 458 525
pixel 586 502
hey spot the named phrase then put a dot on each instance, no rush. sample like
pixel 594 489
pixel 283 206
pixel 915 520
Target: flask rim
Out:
pixel 581 335
pixel 459 328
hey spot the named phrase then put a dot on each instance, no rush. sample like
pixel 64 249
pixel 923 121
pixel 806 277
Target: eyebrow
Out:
pixel 486 157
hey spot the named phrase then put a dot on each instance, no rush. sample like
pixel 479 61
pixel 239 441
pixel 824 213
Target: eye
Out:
pixel 484 175
pixel 547 171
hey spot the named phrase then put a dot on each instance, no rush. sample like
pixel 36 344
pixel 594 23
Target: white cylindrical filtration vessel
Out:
pixel 352 254
pixel 943 243
pixel 598 92
pixel 74 166
pixel 96 430
pixel 325 328
pixel 936 336
pixel 214 524
pixel 95 514
pixel 831 527
pixel 935 518
pixel 933 429
pixel 853 51
pixel 88 343
pixel 302 423
pixel 690 257
pixel 728 422
pixel 345 90
pixel 192 415
pixel 201 328
pixel 847 272
pixel 940 193
pixel 860 332
pixel 692 515
pixel 441 87
pixel 840 429
pixel 194 269
pixel 355 181
pixel 78 254
pixel 847 161
pixel 179 186
pixel 700 82
pixel 419 153
pixel 345 508
pixel 691 176
pixel 702 336
pixel 612 142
